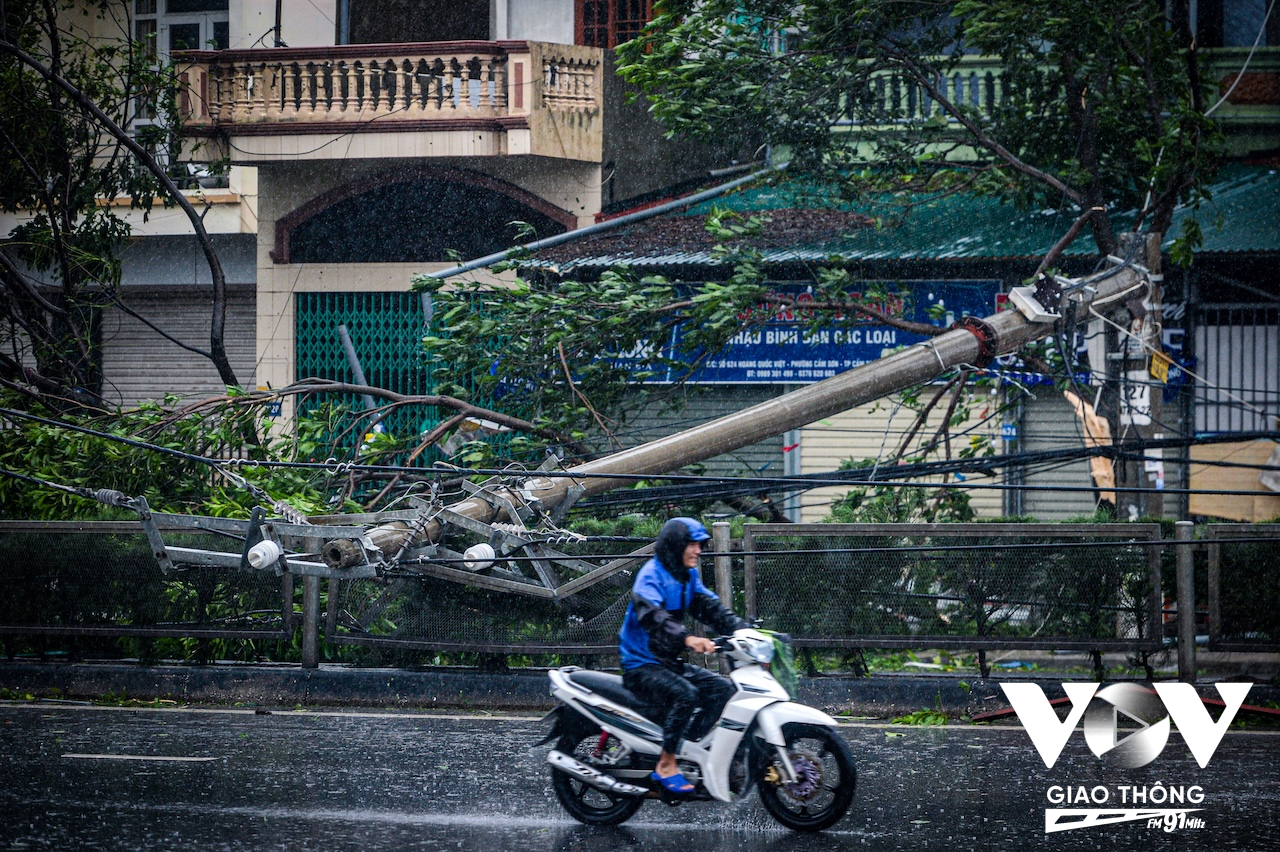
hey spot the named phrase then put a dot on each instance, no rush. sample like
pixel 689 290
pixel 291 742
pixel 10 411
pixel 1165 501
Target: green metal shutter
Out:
pixel 387 331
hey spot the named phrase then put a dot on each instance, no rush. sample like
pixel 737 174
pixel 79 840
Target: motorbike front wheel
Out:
pixel 825 780
pixel 587 804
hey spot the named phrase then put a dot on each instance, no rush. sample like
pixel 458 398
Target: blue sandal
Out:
pixel 675 784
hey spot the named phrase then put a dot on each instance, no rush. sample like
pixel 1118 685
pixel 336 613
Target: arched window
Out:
pixel 425 218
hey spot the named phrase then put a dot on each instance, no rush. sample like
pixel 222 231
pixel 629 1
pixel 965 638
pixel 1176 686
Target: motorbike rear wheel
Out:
pixel 825 786
pixel 587 804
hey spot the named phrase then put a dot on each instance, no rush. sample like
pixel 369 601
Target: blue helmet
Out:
pixel 697 532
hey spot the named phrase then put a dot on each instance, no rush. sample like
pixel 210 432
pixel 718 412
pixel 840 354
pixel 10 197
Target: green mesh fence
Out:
pixel 444 615
pixel 107 583
pixel 967 586
pixel 1243 585
pixel 957 585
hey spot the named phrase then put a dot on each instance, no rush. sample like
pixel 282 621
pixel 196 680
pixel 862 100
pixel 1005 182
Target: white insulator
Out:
pixel 478 557
pixel 264 554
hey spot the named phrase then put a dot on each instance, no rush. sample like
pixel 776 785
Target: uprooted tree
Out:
pixel 73 84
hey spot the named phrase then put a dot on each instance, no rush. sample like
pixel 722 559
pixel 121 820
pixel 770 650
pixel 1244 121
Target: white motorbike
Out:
pixel 607 744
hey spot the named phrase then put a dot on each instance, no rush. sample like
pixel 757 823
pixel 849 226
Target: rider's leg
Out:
pixel 714 691
pixel 662 687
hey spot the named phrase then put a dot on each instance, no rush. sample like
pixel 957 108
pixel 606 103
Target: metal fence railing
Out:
pixel 974 586
pixel 1084 587
pixel 100 580
pixel 1243 586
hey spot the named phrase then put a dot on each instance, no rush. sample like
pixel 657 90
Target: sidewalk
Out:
pixel 288 686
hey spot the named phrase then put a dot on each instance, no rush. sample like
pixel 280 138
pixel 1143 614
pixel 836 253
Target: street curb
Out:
pixel 885 696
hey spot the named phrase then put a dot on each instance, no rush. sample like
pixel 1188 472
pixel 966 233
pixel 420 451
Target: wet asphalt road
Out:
pixel 76 777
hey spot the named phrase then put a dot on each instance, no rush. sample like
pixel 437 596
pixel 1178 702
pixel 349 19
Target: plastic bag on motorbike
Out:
pixel 783 666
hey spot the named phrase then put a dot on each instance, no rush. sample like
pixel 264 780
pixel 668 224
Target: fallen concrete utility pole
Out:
pixel 973 342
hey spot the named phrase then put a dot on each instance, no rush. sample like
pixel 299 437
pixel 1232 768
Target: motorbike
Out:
pixel 607 743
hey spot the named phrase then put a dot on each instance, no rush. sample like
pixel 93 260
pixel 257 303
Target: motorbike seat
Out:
pixel 610 686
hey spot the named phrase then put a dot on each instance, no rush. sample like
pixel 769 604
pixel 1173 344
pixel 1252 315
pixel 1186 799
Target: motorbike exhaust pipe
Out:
pixel 564 763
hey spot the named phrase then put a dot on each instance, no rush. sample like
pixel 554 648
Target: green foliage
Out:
pixel 57 161
pixel 1250 587
pixel 922 718
pixel 169 483
pixel 1095 107
pixel 599 344
pixel 637 525
pixel 574 362
pixel 901 505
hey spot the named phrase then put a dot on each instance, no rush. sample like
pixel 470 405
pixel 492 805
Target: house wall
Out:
pixel 307 24
pixel 874 432
pixel 303 23
pixel 572 187
pixel 535 20
pixel 763 458
pixel 638 159
pixel 1049 423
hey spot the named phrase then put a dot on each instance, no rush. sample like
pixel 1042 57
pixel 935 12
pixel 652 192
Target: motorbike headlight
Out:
pixel 760 650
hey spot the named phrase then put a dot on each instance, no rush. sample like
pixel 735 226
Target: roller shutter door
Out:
pixel 762 459
pixel 138 364
pixel 1049 423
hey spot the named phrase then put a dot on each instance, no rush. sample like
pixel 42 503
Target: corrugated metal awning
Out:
pixel 1242 215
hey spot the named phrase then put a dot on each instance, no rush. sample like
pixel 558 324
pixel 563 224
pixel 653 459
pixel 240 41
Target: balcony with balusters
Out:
pixel 1243 91
pixel 447 99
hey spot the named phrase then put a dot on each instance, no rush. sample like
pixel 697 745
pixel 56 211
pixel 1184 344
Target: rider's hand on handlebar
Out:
pixel 700 644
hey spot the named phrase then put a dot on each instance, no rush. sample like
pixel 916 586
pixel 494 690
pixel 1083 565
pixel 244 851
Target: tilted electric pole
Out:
pixel 974 342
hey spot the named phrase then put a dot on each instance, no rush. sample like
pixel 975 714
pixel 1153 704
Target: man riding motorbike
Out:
pixel 653 637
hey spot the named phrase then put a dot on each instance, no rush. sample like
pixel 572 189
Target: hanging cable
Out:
pixel 106 496
pixel 1184 369
pixel 1262 28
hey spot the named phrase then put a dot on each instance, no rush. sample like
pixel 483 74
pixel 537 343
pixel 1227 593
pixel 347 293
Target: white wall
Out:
pixel 533 20
pixel 303 23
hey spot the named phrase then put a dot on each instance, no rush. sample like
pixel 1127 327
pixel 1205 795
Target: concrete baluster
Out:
pixel 455 82
pixel 242 81
pixel 350 89
pixel 473 82
pixel 495 85
pixel 390 88
pixel 288 91
pixel 273 96
pixel 362 90
pixel 416 70
pixel 375 90
pixel 333 91
pixel 257 91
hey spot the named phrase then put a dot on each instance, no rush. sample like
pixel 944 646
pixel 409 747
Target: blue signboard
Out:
pixel 785 350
